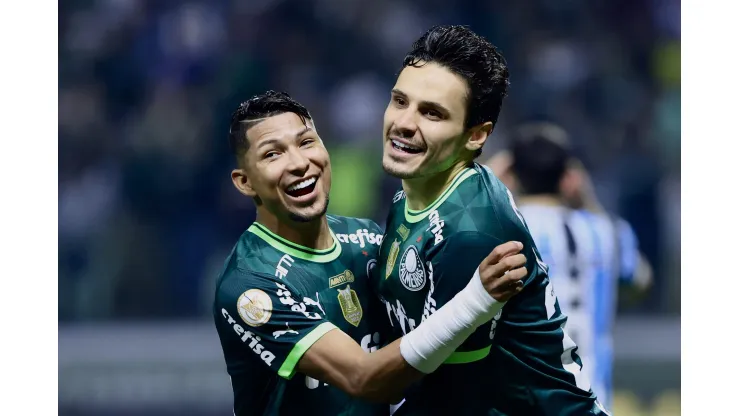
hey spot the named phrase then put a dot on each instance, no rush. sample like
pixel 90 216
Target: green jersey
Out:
pixel 522 363
pixel 274 299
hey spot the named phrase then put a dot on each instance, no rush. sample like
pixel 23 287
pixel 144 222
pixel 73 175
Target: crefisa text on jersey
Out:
pixel 360 237
pixel 248 336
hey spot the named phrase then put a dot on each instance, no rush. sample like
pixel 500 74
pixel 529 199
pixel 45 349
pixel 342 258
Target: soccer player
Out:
pixel 449 214
pixel 587 250
pixel 293 296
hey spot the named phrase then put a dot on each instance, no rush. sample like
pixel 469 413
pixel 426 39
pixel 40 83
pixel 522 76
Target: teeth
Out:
pixel 402 145
pixel 302 184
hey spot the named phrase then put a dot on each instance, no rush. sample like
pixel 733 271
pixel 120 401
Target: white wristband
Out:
pixel 428 346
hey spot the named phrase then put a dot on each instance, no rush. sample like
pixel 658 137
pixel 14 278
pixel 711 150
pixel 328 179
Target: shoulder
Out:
pixel 484 204
pixel 251 254
pixel 480 191
pixel 462 244
pixel 238 282
pixel 600 227
pixel 356 230
pixel 348 225
pixel 624 229
pixel 625 235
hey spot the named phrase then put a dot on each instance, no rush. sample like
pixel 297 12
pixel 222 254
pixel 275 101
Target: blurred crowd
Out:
pixel 147 212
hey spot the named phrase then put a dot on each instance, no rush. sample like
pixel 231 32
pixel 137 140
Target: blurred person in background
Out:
pixel 297 278
pixel 588 251
pixel 448 215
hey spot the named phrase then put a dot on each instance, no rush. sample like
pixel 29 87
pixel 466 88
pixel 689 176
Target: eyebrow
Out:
pixel 436 105
pixel 304 131
pixel 267 142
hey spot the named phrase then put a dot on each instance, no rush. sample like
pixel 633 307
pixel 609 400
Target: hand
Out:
pixel 503 270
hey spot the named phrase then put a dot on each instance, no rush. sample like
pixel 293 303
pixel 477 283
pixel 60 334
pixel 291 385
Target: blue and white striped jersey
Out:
pixel 587 255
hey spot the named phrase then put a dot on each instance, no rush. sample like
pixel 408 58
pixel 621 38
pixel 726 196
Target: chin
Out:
pixel 399 170
pixel 310 214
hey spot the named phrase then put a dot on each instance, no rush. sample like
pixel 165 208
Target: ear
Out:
pixel 242 183
pixel 478 136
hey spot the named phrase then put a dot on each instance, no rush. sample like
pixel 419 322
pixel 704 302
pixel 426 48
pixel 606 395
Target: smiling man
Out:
pixel 449 214
pixel 293 296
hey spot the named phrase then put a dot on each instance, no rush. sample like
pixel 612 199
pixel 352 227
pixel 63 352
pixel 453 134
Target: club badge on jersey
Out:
pixel 411 270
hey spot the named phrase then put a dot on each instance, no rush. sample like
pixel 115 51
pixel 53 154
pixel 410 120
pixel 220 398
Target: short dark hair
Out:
pixel 472 57
pixel 268 104
pixel 540 156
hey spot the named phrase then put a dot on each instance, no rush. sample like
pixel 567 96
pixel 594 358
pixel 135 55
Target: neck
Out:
pixel 540 199
pixel 422 192
pixel 314 234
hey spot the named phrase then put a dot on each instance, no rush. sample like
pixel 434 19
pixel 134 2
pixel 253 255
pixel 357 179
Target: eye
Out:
pixel 433 114
pixel 307 141
pixel 399 101
pixel 270 155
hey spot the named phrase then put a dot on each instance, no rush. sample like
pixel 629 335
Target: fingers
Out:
pixel 503 270
pixel 514 280
pixel 507 264
pixel 513 276
pixel 508 281
pixel 501 251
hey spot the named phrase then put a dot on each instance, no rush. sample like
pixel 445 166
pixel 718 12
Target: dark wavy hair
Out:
pixel 268 104
pixel 472 57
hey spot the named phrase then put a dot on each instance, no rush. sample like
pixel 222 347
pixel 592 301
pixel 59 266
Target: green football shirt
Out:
pixel 522 362
pixel 274 299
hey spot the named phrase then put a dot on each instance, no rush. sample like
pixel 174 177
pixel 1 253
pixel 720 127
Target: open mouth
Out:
pixel 403 147
pixel 302 188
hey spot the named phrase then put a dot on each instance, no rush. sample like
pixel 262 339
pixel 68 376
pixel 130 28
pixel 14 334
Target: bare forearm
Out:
pixel 385 374
pixel 380 376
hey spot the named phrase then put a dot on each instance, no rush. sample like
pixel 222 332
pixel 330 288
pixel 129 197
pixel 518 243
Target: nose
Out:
pixel 405 124
pixel 298 162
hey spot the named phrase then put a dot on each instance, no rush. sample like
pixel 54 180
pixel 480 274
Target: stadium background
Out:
pixel 147 212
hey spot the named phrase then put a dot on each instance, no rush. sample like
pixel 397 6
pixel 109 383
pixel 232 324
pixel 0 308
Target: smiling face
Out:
pixel 286 168
pixel 424 123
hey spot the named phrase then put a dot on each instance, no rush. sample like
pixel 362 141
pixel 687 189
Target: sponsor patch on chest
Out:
pixel 342 278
